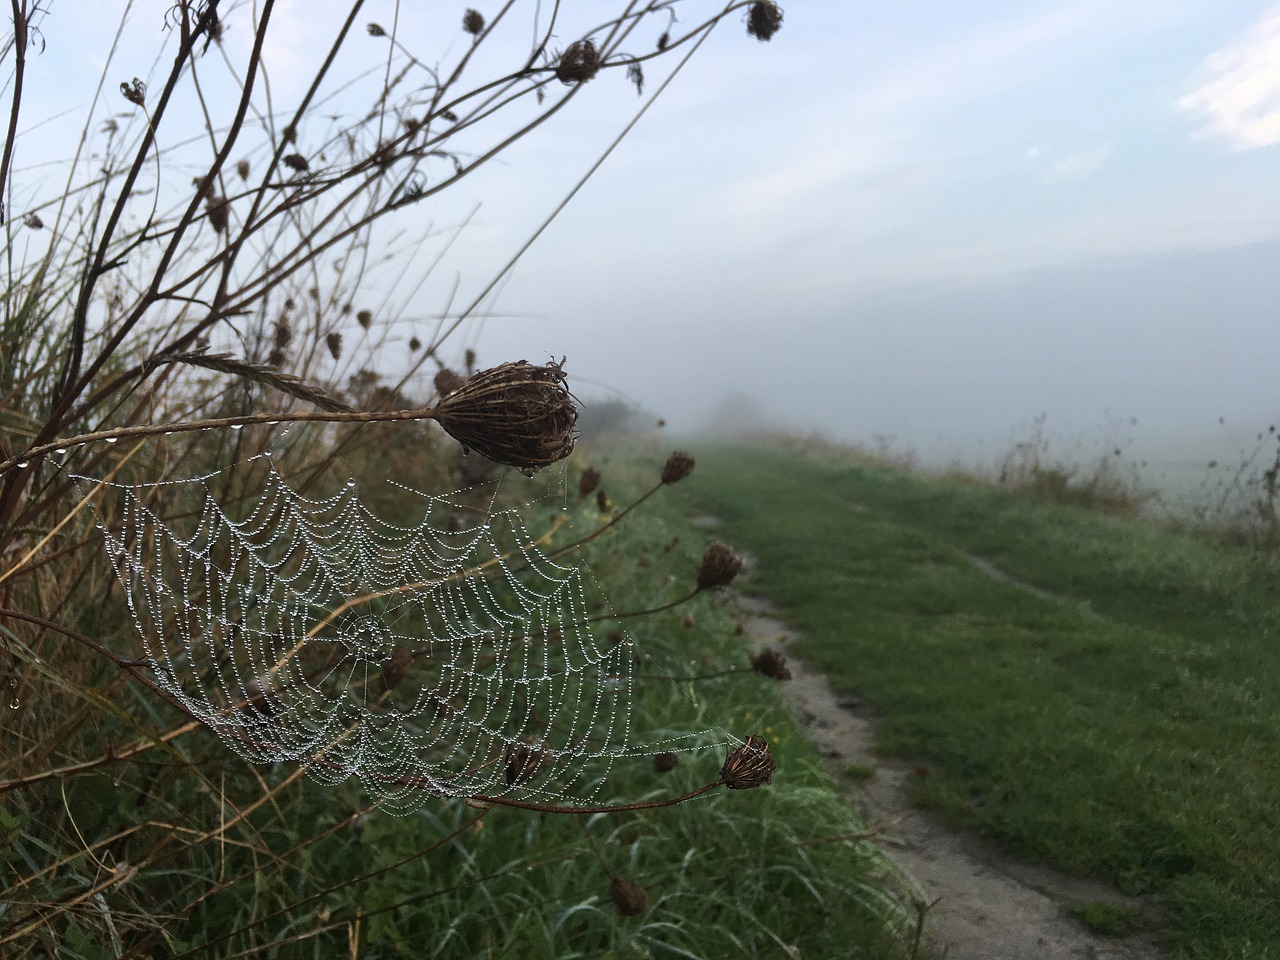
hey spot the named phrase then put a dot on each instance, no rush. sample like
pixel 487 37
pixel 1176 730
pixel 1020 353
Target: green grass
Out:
pixel 1125 728
pixel 1108 919
pixel 756 873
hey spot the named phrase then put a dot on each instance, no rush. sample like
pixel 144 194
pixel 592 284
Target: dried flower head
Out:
pixel 394 670
pixel 751 765
pixel 33 221
pixel 629 897
pixel 219 212
pixel 276 358
pixel 772 664
pixel 764 19
pixel 473 22
pixel 678 466
pixel 289 134
pixel 284 332
pixel 334 342
pixel 635 73
pixel 297 163
pixel 518 414
pixel 663 40
pixel 719 566
pixel 665 762
pixel 135 92
pixel 579 63
pixel 364 318
pixel 588 482
pixel 523 762
pixel 376 30
pixel 447 381
pixel 469 360
pixel 414 344
pixel 242 168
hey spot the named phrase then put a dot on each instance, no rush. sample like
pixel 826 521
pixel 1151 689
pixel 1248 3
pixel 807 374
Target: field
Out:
pixel 1098 693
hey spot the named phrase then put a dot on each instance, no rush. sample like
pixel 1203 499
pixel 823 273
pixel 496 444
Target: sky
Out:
pixel 922 220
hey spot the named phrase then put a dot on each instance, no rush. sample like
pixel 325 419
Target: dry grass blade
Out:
pixel 284 382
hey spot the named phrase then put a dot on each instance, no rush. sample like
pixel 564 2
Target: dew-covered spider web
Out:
pixel 445 655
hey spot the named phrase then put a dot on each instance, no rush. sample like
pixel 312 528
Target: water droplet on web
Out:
pixel 15 703
pixel 237 426
pixel 22 464
pixel 112 439
pixel 61 451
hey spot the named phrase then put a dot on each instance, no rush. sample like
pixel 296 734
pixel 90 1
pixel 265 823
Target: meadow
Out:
pixel 1093 691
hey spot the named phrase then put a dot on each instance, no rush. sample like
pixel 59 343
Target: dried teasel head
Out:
pixel 665 762
pixel 678 466
pixel 588 482
pixel 517 414
pixel 523 762
pixel 764 19
pixel 579 63
pixel 629 897
pixel 771 664
pixel 334 342
pixel 751 765
pixel 473 22
pixel 720 564
pixel 364 318
pixel 447 381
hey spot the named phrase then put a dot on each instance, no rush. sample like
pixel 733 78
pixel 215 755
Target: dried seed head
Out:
pixel 523 762
pixel 447 381
pixel 635 73
pixel 473 22
pixel 469 360
pixel 204 187
pixel 772 664
pixel 364 318
pixel 719 566
pixel 414 344
pixel 394 670
pixel 33 221
pixel 219 211
pixel 629 897
pixel 289 304
pixel 334 342
pixel 297 163
pixel 665 762
pixel 517 414
pixel 678 466
pixel 284 332
pixel 588 482
pixel 664 40
pixel 276 358
pixel 579 63
pixel 135 92
pixel 242 168
pixel 751 765
pixel 375 30
pixel 290 134
pixel 764 19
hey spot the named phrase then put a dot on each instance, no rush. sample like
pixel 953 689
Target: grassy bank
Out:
pixel 186 851
pixel 1122 721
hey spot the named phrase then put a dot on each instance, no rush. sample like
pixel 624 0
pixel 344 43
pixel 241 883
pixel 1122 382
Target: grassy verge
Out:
pixel 100 862
pixel 1123 723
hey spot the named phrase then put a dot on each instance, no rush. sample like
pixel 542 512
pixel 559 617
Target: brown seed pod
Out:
pixel 764 19
pixel 665 762
pixel 135 92
pixel 414 344
pixel 219 212
pixel 276 358
pixel 629 897
pixel 523 762
pixel 394 670
pixel 579 63
pixel 663 40
pixel 588 482
pixel 284 332
pixel 751 765
pixel 376 30
pixel 364 318
pixel 33 221
pixel 772 664
pixel 517 414
pixel 242 168
pixel 678 466
pixel 334 342
pixel 290 134
pixel 719 566
pixel 473 22
pixel 447 381
pixel 297 163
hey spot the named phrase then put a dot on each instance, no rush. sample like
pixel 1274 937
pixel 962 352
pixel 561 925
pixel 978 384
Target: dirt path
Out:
pixel 988 906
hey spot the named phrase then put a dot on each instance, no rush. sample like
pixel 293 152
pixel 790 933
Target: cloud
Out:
pixel 1237 97
pixel 1080 164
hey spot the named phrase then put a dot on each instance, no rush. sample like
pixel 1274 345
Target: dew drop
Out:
pixel 237 426
pixel 112 439
pixel 15 703
pixel 22 464
pixel 61 451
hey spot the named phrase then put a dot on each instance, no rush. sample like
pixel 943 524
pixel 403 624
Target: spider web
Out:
pixel 448 656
